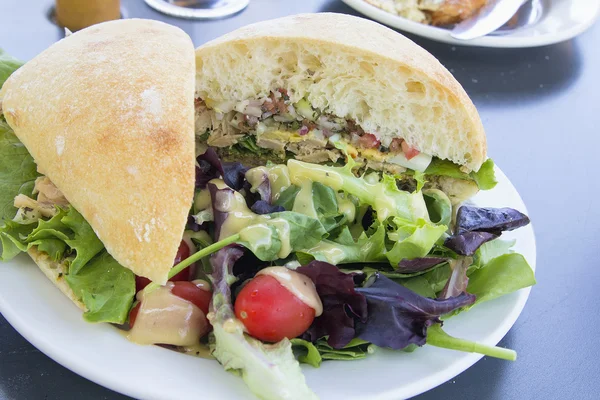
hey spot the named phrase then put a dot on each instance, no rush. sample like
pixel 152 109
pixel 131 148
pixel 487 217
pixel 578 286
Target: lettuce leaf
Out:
pixel 8 65
pixel 17 170
pixel 485 177
pixel 104 286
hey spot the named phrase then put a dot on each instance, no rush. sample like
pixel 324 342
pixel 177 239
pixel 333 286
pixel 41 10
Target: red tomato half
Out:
pixel 192 293
pixel 182 253
pixel 270 312
pixel 409 151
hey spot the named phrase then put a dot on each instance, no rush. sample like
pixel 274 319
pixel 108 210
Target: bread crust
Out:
pixel 56 273
pixel 383 51
pixel 108 115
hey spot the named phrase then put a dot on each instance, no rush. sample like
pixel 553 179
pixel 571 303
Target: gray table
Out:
pixel 541 110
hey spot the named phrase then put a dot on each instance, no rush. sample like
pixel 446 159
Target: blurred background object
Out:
pixel 198 9
pixel 79 14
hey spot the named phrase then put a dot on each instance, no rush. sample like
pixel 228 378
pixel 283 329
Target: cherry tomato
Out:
pixel 409 151
pixel 369 141
pixel 192 293
pixel 133 314
pixel 182 253
pixel 270 312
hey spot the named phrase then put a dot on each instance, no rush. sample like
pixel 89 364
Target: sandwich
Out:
pixel 321 163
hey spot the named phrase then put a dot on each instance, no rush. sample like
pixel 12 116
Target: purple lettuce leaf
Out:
pixel 406 266
pixel 263 207
pixel 222 277
pixel 491 220
pixel 341 304
pixel 398 317
pixel 221 198
pixel 210 167
pixel 467 243
pixel 458 281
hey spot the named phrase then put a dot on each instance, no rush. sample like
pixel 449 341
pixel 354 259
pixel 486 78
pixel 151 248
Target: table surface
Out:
pixel 540 108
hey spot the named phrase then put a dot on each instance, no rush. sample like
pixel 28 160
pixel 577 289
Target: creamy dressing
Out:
pixel 252 228
pixel 304 202
pixel 300 285
pixel 346 207
pixel 278 175
pixel 164 318
pixel 203 200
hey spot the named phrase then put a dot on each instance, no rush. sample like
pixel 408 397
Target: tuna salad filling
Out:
pixel 276 128
pixel 284 129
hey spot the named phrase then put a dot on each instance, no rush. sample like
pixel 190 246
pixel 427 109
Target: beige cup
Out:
pixel 79 14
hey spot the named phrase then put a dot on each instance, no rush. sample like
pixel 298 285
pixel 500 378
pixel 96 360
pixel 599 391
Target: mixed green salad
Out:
pixel 302 262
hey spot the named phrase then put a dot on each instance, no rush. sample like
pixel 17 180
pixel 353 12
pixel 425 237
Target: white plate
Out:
pixel 100 353
pixel 562 20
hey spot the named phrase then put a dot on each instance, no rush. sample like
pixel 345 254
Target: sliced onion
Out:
pixel 419 162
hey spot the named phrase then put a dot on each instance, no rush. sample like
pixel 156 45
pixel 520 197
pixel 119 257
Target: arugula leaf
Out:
pixel 106 288
pixel 17 169
pixel 485 177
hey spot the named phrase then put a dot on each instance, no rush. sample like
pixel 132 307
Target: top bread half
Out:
pixel 107 113
pixel 354 69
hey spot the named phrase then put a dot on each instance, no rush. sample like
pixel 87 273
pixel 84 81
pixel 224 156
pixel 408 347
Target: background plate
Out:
pixel 49 320
pixel 562 20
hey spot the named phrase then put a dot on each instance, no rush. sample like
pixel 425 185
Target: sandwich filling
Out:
pixel 276 128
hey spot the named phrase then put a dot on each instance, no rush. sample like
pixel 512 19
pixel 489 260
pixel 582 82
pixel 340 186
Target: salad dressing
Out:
pixel 252 228
pixel 167 319
pixel 346 207
pixel 304 202
pixel 278 175
pixel 300 285
pixel 197 350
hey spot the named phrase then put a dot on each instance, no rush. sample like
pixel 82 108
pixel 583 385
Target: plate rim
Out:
pixel 80 366
pixel 443 36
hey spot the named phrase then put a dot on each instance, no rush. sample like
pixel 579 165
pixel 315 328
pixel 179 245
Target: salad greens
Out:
pixel 270 370
pixel 103 285
pixel 484 178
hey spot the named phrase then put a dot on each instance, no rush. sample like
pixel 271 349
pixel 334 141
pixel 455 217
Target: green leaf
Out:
pixel 85 242
pixel 17 169
pixel 55 248
pixel 439 206
pixel 438 338
pixel 485 177
pixel 501 275
pixel 52 228
pixel 306 352
pixel 493 249
pixel 384 196
pixel 13 236
pixel 8 65
pixel 106 288
pixel 430 283
pixel 355 350
pixel 280 234
pixel 344 249
pixel 287 197
pixel 417 244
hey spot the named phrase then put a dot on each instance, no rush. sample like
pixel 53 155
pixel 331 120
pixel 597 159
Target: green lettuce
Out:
pixel 103 285
pixel 485 177
pixel 314 353
pixel 18 171
pixel 8 65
